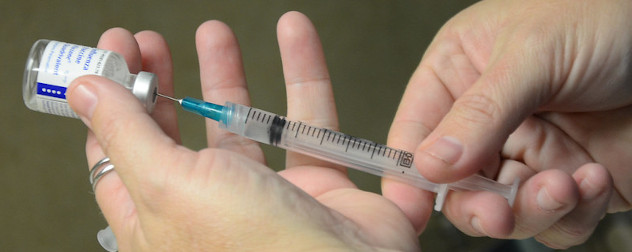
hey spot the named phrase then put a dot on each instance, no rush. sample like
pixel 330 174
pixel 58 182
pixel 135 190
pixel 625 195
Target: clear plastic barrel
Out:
pixel 346 150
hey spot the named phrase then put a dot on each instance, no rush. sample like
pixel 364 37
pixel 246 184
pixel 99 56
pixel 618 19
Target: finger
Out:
pixel 406 133
pixel 223 79
pixel 414 202
pixel 122 42
pixel 511 169
pixel 117 207
pixel 424 100
pixel 541 145
pixel 156 58
pixel 606 137
pixel 309 94
pixel 111 195
pixel 472 133
pixel 595 189
pixel 479 213
pixel 543 200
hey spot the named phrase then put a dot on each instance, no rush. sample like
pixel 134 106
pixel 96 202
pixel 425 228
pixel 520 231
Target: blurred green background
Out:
pixel 372 47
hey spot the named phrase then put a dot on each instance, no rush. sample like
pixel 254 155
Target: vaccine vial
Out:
pixel 52 65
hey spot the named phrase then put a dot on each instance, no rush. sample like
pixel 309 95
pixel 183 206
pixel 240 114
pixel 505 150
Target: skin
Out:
pixel 166 197
pixel 539 90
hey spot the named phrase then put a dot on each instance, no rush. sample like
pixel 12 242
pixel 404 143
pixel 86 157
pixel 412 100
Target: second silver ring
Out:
pixel 99 170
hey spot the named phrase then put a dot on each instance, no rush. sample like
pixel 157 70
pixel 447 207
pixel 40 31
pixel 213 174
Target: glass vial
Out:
pixel 52 65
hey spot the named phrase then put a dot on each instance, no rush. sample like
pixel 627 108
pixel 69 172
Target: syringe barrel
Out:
pixel 343 149
pixel 325 144
pixel 247 121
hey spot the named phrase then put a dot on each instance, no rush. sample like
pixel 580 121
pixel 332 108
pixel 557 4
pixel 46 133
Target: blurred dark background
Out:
pixel 372 47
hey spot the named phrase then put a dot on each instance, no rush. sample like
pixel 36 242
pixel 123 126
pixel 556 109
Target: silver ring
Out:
pixel 99 170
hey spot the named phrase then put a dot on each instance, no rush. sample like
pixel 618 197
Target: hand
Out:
pixel 540 90
pixel 164 196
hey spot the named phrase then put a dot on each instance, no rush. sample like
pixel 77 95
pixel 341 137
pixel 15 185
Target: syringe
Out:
pixel 335 147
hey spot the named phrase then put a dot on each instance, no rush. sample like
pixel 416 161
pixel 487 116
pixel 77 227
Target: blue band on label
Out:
pixel 50 90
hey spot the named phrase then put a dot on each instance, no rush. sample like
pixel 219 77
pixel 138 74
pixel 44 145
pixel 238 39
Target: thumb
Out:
pixel 126 133
pixel 471 135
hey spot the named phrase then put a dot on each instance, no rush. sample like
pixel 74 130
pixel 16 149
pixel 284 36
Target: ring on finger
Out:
pixel 99 170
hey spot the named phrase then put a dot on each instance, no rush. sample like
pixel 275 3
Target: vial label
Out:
pixel 60 64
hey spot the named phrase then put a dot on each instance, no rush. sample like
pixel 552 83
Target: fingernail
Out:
pixel 476 224
pixel 447 149
pixel 588 190
pixel 84 100
pixel 546 202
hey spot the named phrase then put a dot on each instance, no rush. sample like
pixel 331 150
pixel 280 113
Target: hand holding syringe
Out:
pixel 336 147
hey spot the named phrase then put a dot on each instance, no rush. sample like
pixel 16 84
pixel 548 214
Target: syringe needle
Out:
pixel 170 98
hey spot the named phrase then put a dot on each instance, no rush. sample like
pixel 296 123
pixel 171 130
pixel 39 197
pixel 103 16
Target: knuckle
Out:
pixel 318 79
pixel 576 234
pixel 564 236
pixel 477 109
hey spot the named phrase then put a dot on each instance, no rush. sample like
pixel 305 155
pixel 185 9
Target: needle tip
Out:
pixel 168 97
